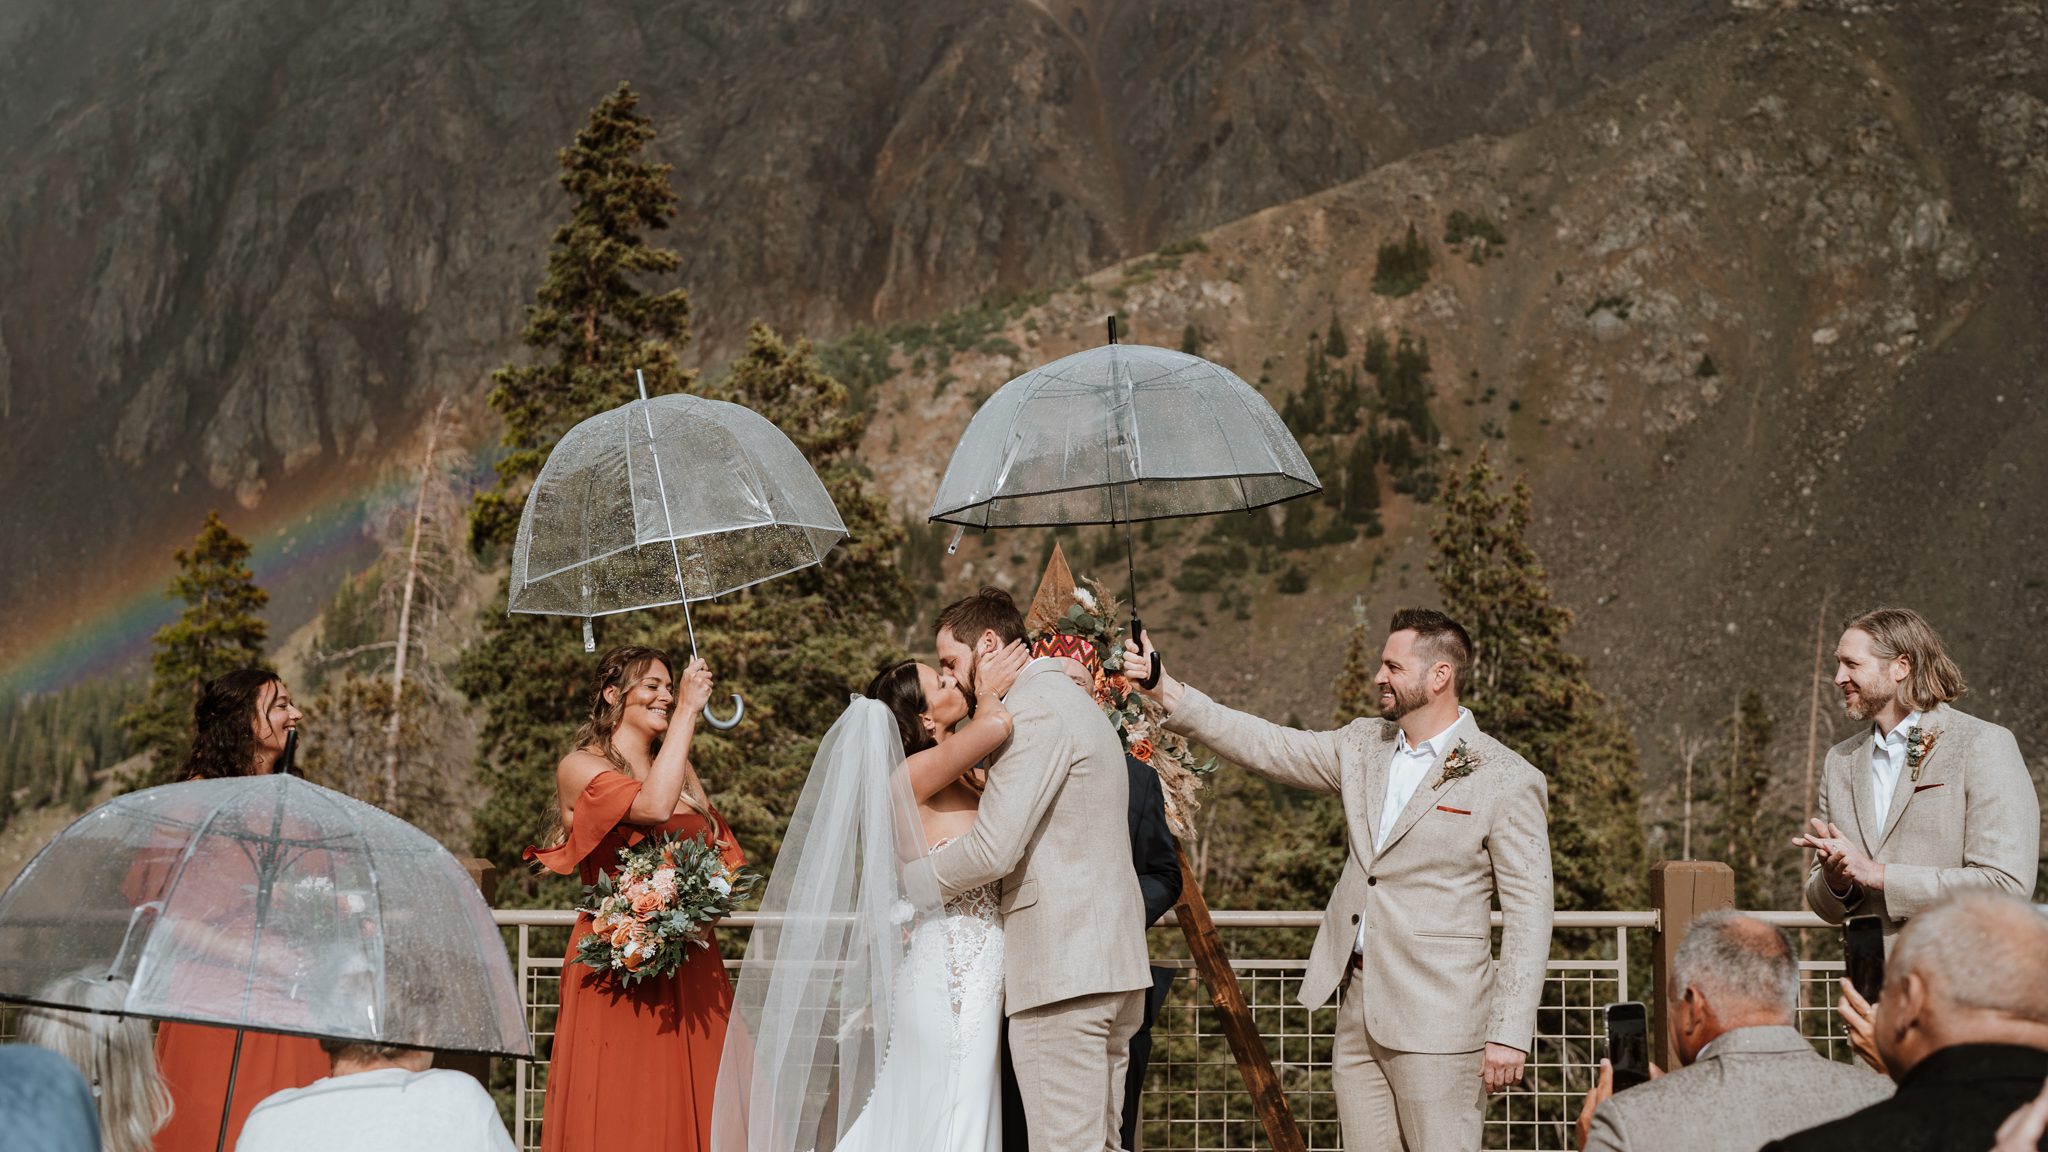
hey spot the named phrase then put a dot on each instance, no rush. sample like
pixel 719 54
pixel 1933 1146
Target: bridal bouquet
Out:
pixel 666 893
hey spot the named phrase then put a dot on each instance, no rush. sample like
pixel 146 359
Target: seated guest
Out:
pixel 45 1103
pixel 1748 1075
pixel 390 1099
pixel 1962 1025
pixel 116 1054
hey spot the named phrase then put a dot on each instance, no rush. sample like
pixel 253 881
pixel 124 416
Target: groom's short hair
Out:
pixel 1439 636
pixel 989 610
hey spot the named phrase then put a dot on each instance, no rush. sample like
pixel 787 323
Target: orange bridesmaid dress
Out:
pixel 194 1058
pixel 632 1067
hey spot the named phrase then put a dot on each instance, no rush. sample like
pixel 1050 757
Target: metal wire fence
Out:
pixel 1194 1097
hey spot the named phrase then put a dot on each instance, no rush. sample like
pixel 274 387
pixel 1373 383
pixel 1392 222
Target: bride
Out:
pixel 868 1013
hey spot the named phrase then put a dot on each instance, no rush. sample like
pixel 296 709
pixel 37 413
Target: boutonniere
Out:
pixel 1919 746
pixel 1458 765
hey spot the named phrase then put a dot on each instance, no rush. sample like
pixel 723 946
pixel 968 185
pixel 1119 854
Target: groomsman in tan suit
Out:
pixel 1053 828
pixel 1926 801
pixel 1440 819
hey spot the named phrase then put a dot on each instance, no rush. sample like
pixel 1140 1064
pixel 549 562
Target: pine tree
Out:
pixel 1361 483
pixel 1356 695
pixel 1752 828
pixel 1534 696
pixel 592 324
pixel 795 646
pixel 1336 347
pixel 218 632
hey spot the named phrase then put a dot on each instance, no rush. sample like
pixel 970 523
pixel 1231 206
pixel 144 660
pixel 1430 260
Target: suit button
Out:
pixel 1371 880
pixel 1354 919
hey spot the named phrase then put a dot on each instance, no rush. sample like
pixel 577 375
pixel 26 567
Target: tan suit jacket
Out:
pixel 1750 1087
pixel 1429 978
pixel 1053 827
pixel 1972 819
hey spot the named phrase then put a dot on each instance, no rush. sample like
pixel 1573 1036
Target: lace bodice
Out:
pixel 983 903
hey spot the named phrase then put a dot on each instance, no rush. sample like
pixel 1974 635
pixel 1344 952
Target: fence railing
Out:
pixel 1194 1099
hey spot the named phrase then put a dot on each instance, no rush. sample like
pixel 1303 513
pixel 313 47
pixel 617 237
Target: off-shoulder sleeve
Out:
pixel 603 803
pixel 729 849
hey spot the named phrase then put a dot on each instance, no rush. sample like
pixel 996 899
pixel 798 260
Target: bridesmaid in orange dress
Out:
pixel 634 1067
pixel 245 724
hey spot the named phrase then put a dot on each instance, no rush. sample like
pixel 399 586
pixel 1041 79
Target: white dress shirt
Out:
pixel 1404 775
pixel 1887 759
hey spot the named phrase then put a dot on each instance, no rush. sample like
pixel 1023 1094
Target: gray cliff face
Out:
pixel 244 244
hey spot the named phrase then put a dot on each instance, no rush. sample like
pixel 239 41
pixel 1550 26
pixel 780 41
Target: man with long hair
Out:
pixel 1925 801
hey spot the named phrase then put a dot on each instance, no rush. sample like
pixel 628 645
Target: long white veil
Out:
pixel 817 994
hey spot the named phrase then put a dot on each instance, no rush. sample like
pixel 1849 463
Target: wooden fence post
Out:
pixel 1269 1100
pixel 1680 890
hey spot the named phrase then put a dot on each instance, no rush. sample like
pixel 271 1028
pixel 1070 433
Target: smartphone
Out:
pixel 1863 955
pixel 1628 1043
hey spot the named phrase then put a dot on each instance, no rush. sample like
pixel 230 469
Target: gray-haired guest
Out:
pixel 1962 1025
pixel 1925 802
pixel 1749 1077
pixel 116 1054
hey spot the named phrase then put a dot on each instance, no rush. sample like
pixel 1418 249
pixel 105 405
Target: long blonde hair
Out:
pixel 115 1053
pixel 1895 632
pixel 617 668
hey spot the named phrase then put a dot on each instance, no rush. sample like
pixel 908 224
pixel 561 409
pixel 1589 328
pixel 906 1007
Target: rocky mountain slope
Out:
pixel 245 244
pixel 1762 328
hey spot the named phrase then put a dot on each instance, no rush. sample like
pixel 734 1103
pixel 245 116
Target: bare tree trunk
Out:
pixel 412 573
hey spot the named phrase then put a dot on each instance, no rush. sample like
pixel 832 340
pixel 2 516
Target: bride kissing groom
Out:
pixel 937 876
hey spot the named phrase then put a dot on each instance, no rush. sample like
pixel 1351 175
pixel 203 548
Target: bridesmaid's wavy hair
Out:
pixel 899 689
pixel 617 668
pixel 223 726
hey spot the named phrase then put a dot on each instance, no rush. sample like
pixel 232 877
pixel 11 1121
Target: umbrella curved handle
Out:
pixel 1151 679
pixel 739 709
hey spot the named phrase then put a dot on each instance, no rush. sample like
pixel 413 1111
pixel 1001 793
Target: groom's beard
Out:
pixel 1402 704
pixel 973 683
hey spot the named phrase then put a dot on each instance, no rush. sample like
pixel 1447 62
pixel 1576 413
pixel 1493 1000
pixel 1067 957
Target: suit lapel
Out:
pixel 1424 799
pixel 1863 790
pixel 1427 790
pixel 1379 751
pixel 1902 794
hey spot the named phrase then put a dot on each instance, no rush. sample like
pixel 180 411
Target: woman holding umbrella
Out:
pixel 245 724
pixel 634 1065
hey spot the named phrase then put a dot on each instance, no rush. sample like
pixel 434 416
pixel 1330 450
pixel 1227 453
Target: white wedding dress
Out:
pixel 940 1085
pixel 867 1016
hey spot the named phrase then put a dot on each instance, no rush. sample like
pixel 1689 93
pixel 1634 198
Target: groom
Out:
pixel 1052 828
pixel 1441 819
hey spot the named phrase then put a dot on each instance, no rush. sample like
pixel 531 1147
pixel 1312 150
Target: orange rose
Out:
pixel 646 902
pixel 621 935
pixel 1142 749
pixel 1120 685
pixel 633 960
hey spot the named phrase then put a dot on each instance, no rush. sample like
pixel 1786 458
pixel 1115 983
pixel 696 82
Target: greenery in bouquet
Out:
pixel 664 897
pixel 1094 616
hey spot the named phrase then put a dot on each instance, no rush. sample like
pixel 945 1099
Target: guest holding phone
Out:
pixel 1748 1076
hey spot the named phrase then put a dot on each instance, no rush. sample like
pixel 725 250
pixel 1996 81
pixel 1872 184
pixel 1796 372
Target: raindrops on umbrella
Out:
pixel 1119 434
pixel 664 501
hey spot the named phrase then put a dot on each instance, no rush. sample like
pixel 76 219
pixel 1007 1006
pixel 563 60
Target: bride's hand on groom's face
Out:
pixel 999 668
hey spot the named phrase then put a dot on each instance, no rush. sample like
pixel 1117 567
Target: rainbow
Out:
pixel 298 553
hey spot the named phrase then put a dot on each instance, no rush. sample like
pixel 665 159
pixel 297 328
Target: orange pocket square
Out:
pixel 1453 811
pixel 1919 788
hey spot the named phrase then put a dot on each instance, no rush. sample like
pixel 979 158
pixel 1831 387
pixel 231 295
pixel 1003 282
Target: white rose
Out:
pixel 721 885
pixel 1084 598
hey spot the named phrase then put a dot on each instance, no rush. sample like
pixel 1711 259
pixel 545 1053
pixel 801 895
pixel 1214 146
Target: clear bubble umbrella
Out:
pixel 269 904
pixel 666 501
pixel 1118 434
